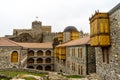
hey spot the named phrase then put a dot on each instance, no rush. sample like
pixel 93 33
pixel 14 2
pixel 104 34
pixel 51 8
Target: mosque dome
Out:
pixel 70 29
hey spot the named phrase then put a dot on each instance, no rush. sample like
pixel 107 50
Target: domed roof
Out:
pixel 70 29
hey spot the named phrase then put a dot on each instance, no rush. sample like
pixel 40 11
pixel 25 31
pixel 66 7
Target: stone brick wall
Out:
pixel 91 60
pixel 59 66
pixel 46 29
pixel 33 35
pixel 5 57
pixel 82 65
pixel 56 65
pixel 49 37
pixel 78 60
pixel 111 70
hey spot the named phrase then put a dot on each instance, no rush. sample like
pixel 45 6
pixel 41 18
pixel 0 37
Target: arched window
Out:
pixel 31 53
pixel 14 56
pixel 48 53
pixel 39 67
pixel 39 53
pixel 48 68
pixel 48 60
pixel 31 60
pixel 39 60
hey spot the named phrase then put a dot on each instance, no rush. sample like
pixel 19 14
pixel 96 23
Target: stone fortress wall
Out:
pixel 38 33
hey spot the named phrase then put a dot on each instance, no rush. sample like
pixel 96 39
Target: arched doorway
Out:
pixel 31 53
pixel 48 68
pixel 48 60
pixel 30 60
pixel 39 60
pixel 39 67
pixel 39 53
pixel 48 53
pixel 14 56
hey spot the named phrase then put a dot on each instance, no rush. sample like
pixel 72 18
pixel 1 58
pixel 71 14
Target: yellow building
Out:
pixel 69 33
pixel 99 29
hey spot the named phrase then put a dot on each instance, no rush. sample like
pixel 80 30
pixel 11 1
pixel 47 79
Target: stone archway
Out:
pixel 25 37
pixel 48 68
pixel 48 53
pixel 48 60
pixel 39 53
pixel 39 60
pixel 31 53
pixel 39 67
pixel 30 60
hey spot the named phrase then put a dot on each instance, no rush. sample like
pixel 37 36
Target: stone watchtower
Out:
pixel 36 25
pixel 38 33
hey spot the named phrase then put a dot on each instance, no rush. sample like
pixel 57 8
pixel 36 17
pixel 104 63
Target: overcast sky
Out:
pixel 19 14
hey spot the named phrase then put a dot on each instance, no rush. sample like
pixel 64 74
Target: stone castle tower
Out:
pixel 38 33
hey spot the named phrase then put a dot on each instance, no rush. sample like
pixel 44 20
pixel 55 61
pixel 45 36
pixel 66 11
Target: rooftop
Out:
pixel 6 42
pixel 36 45
pixel 70 29
pixel 81 41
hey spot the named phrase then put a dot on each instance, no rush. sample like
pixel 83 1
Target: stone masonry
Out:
pixel 111 70
pixel 38 33
pixel 5 57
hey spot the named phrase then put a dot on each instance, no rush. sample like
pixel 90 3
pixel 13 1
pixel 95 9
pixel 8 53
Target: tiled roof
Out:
pixel 76 42
pixel 36 45
pixel 6 42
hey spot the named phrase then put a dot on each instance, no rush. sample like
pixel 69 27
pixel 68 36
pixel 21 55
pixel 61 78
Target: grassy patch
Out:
pixel 29 78
pixel 15 73
pixel 4 79
pixel 74 76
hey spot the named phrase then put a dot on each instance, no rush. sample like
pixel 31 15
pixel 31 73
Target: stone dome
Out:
pixel 70 29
